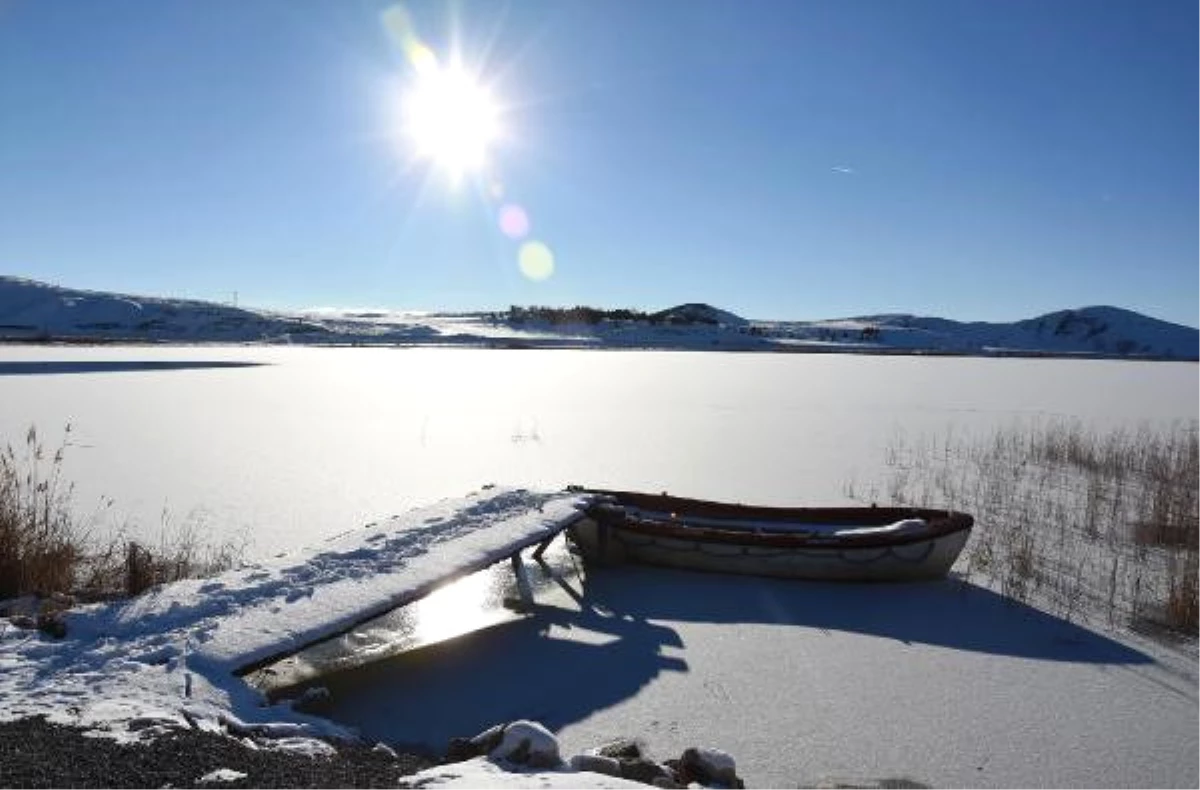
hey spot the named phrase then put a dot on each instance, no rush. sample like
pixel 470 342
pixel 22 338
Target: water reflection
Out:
pixel 472 603
pixel 457 608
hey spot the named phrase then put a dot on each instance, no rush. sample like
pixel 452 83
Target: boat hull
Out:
pixel 855 544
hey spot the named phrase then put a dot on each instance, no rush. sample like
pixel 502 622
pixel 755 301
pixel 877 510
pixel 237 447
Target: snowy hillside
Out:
pixel 34 311
pixel 1100 331
pixel 31 310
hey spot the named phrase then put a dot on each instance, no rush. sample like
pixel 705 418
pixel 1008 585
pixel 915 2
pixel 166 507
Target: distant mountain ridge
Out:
pixel 32 311
pixel 1098 330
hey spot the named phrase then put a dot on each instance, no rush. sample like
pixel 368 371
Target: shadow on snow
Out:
pixel 948 613
pixel 614 646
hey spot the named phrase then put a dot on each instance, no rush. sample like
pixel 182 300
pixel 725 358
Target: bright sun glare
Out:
pixel 451 119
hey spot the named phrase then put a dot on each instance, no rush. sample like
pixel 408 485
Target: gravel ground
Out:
pixel 34 753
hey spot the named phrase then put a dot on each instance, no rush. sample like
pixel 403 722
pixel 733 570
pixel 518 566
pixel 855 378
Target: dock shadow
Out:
pixel 514 670
pixel 948 613
pixel 54 368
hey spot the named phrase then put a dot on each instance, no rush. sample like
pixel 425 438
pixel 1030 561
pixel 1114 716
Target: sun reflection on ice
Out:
pixel 461 606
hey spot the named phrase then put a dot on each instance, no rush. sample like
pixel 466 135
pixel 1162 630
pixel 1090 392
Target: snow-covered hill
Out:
pixel 698 313
pixel 1100 331
pixel 34 311
pixel 31 310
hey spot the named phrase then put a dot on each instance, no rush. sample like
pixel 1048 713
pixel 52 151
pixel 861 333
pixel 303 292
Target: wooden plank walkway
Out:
pixel 253 616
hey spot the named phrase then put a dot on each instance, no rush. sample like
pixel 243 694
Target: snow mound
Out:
pixel 528 743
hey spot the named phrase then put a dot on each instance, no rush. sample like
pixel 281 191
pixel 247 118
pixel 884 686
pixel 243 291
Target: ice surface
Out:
pixel 806 684
pixel 320 441
pixel 315 442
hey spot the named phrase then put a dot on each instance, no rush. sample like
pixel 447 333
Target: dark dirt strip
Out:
pixel 35 753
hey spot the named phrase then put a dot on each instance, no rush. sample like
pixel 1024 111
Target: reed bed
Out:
pixel 1087 524
pixel 49 551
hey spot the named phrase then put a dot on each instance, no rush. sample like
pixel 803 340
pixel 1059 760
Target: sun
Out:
pixel 451 119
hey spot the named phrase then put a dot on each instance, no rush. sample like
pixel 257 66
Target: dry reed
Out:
pixel 1085 523
pixel 47 549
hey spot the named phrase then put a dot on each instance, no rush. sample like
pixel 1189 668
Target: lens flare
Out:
pixel 423 59
pixel 400 29
pixel 514 222
pixel 536 261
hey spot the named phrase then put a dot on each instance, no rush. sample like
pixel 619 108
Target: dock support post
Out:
pixel 541 549
pixel 523 587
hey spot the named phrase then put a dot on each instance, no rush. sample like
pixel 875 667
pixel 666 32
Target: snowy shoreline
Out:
pixel 569 345
pixel 681 658
pixel 164 666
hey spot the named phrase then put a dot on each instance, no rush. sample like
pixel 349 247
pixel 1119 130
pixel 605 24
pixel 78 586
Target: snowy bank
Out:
pixel 169 656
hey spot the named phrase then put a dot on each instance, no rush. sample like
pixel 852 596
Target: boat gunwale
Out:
pixel 675 510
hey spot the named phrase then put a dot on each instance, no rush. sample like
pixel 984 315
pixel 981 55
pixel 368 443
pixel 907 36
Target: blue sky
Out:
pixel 793 159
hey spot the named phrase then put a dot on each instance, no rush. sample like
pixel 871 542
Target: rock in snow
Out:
pixel 708 766
pixel 528 743
pixel 525 746
pixel 596 763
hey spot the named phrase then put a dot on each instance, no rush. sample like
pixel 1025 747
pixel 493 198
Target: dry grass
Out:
pixel 1088 524
pixel 47 549
pixel 40 544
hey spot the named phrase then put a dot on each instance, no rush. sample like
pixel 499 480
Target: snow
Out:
pixel 481 772
pixel 948 684
pixel 270 609
pixel 902 527
pixel 31 310
pixel 169 656
pixel 221 775
pixel 536 745
pixel 805 683
pixel 282 447
pixel 944 683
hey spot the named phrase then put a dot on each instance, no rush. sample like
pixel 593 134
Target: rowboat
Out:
pixel 846 544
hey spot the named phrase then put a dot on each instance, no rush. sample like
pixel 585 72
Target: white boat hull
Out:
pixel 924 559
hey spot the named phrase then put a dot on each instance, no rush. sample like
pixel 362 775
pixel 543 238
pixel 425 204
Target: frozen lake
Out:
pixel 284 446
pixel 941 683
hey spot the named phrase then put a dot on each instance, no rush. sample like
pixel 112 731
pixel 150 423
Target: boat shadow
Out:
pixel 950 613
pixel 51 367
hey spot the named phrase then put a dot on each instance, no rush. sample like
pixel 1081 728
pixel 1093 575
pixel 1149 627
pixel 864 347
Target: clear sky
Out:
pixel 794 159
